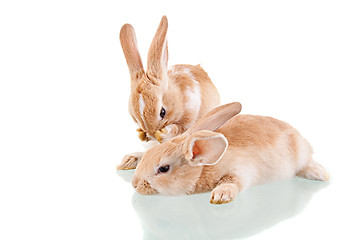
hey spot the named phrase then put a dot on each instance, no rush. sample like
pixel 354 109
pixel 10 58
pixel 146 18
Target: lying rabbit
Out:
pixel 226 155
pixel 164 103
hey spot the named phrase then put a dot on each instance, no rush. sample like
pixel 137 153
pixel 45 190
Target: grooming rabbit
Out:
pixel 226 155
pixel 164 103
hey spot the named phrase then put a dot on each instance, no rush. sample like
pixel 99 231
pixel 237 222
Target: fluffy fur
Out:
pixel 184 91
pixel 226 155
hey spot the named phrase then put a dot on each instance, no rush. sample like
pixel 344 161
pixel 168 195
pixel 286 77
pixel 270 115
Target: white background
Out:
pixel 64 125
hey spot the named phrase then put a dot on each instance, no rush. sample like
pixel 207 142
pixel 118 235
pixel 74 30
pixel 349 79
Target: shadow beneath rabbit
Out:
pixel 193 217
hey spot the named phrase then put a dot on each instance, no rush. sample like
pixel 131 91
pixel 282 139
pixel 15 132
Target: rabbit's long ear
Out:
pixel 216 117
pixel 158 53
pixel 204 148
pixel 131 52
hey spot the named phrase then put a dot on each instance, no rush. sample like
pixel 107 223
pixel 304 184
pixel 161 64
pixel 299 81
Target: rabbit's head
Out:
pixel 153 105
pixel 174 167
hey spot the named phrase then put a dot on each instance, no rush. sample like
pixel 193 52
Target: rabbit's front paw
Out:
pixel 142 135
pixel 223 193
pixel 167 133
pixel 160 135
pixel 130 161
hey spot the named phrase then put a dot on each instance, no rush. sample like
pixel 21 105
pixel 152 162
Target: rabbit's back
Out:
pixel 268 148
pixel 253 130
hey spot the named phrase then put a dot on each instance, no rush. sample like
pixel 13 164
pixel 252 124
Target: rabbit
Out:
pixel 226 154
pixel 164 103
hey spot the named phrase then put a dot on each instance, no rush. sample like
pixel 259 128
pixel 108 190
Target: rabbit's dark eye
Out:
pixel 163 169
pixel 162 113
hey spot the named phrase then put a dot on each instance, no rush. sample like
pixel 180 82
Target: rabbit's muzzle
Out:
pixel 143 187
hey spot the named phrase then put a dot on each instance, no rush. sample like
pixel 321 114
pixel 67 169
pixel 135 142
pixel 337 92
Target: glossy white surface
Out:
pixel 64 125
pixel 254 211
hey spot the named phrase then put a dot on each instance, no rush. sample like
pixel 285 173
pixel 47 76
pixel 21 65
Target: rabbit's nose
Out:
pixel 135 181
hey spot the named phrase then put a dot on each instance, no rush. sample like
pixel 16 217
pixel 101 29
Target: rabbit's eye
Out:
pixel 162 113
pixel 163 169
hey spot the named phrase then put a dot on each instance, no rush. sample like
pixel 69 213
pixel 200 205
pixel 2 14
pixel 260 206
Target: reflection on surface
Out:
pixel 126 175
pixel 193 217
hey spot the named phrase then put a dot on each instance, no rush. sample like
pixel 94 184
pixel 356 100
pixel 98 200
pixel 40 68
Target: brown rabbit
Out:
pixel 164 103
pixel 226 155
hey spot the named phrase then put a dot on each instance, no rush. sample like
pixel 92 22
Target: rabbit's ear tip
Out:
pixel 238 105
pixel 126 27
pixel 164 20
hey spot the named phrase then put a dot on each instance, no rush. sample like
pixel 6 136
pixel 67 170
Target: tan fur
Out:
pixel 174 99
pixel 144 188
pixel 260 150
pixel 158 52
pixel 207 181
pixel 169 86
pixel 131 52
pixel 157 88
